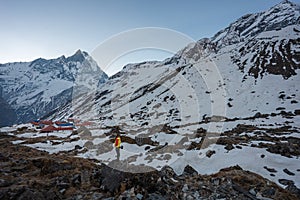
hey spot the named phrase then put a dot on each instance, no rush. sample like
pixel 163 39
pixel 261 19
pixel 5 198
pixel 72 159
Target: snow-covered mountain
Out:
pixel 275 53
pixel 232 99
pixel 238 89
pixel 30 90
pixel 231 75
pixel 250 25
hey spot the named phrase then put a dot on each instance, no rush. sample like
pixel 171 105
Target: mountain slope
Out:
pixel 221 101
pixel 33 89
pixel 279 16
pixel 275 53
pixel 232 74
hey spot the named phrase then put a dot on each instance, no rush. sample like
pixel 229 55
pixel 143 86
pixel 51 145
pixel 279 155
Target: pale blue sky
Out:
pixel 38 28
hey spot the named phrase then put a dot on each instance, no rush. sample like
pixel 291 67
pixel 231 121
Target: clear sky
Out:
pixel 50 28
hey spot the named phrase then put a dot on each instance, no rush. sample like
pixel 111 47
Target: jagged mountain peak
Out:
pixel 79 56
pixel 248 26
pixel 245 28
pixel 79 52
pixel 79 61
pixel 35 88
pixel 285 4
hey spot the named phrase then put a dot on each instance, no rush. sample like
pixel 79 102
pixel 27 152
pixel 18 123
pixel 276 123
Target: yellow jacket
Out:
pixel 118 142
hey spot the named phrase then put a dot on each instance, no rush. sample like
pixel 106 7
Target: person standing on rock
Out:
pixel 118 145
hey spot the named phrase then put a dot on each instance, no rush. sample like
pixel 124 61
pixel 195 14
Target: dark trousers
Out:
pixel 118 153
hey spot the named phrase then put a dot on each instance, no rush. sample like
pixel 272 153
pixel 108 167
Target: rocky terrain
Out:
pixel 27 173
pixel 50 170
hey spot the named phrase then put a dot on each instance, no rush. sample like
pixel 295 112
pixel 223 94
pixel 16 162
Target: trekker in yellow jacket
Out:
pixel 118 145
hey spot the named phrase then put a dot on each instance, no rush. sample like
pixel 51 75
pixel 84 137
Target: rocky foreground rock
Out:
pixel 26 173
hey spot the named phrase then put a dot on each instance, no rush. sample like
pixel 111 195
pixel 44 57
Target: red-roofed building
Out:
pixel 60 122
pixel 48 129
pixel 35 123
pixel 46 122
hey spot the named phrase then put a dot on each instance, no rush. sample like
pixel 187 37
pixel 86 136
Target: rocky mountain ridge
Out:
pixel 33 89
